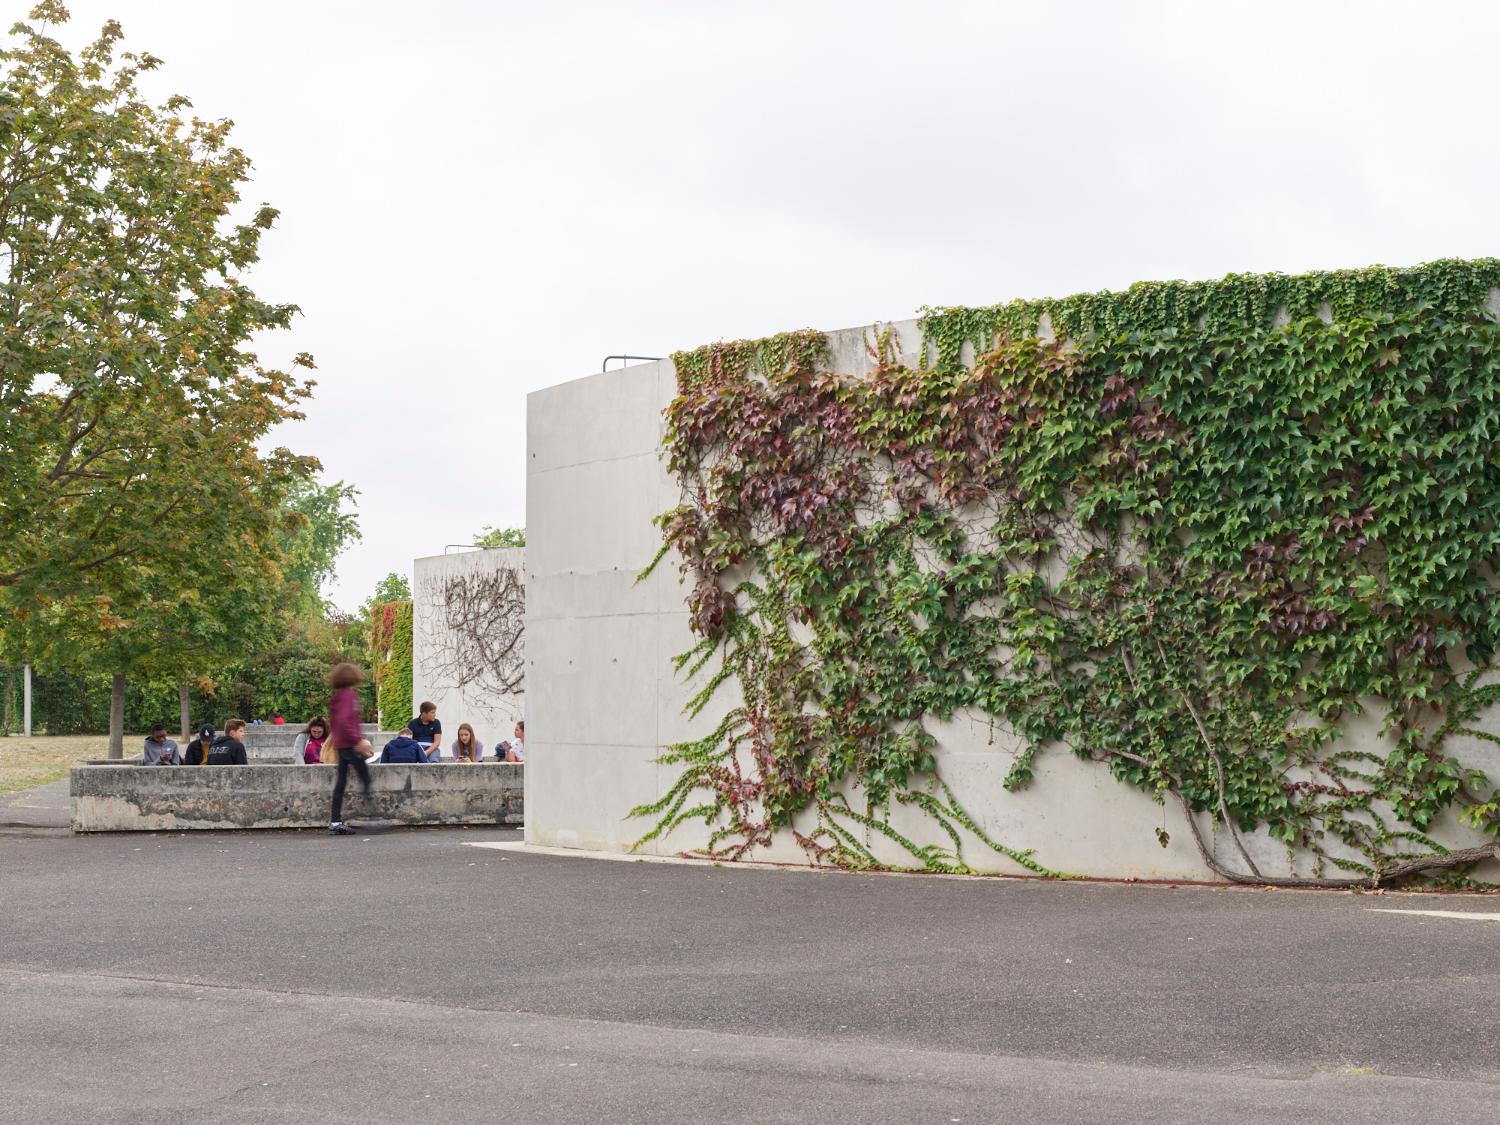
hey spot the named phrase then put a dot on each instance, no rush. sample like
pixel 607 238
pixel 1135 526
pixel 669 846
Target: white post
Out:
pixel 26 702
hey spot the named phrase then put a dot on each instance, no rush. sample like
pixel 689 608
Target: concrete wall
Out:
pixel 267 744
pixel 464 620
pixel 603 699
pixel 127 798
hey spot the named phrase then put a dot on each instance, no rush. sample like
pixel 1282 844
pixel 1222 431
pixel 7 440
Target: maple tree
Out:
pixel 135 494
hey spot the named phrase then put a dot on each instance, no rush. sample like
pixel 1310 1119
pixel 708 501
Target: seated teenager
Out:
pixel 159 749
pixel 467 748
pixel 515 750
pixel 308 749
pixel 427 730
pixel 403 748
pixel 197 750
pixel 227 749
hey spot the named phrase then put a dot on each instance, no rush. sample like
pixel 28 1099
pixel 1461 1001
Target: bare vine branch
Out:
pixel 476 631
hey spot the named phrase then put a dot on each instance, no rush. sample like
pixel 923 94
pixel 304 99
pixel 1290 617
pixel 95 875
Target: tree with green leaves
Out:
pixel 392 588
pixel 131 406
pixel 491 537
pixel 325 523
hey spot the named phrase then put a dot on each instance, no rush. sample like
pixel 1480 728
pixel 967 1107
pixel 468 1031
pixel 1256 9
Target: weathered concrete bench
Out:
pixel 126 798
pixel 267 745
pixel 267 736
pixel 275 748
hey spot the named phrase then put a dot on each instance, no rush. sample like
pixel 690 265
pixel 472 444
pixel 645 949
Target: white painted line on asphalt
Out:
pixel 574 853
pixel 699 861
pixel 1470 915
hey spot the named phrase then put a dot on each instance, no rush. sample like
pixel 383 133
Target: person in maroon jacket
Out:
pixel 348 740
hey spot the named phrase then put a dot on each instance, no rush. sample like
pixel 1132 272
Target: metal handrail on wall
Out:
pixel 603 367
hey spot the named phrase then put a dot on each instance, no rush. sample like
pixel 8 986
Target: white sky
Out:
pixel 483 198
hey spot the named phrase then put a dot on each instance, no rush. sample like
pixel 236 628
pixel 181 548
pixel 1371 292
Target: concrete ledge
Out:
pixel 263 746
pixel 122 798
pixel 267 741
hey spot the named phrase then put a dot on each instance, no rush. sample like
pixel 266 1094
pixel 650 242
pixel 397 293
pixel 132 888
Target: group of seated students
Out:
pixel 419 741
pixel 208 749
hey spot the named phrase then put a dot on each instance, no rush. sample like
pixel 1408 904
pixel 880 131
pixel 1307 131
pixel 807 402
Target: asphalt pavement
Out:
pixel 45 806
pixel 406 976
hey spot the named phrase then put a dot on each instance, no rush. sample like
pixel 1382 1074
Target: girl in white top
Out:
pixel 513 751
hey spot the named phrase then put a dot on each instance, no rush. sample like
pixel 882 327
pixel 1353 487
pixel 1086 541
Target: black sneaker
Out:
pixel 341 830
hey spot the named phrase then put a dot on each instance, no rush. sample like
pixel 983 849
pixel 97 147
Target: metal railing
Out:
pixel 603 367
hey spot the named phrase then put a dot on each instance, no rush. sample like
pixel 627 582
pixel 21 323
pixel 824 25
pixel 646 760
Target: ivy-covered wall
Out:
pixel 1234 543
pixel 391 658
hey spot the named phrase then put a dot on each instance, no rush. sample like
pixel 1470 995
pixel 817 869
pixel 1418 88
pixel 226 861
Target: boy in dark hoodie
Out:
pixel 227 749
pixel 197 750
pixel 403 748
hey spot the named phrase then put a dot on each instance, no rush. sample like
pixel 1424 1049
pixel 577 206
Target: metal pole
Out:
pixel 26 702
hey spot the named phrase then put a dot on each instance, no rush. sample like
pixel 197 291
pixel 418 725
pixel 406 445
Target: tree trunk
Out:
pixel 10 701
pixel 185 712
pixel 117 716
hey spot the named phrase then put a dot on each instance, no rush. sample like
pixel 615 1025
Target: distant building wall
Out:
pixel 468 643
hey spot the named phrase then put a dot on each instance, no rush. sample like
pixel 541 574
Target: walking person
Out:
pixel 350 745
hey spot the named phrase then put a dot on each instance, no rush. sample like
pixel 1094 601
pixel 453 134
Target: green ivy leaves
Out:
pixel 1186 541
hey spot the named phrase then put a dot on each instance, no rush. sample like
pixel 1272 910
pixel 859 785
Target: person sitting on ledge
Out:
pixel 308 749
pixel 467 748
pixel 427 730
pixel 197 750
pixel 403 748
pixel 514 751
pixel 159 749
pixel 227 749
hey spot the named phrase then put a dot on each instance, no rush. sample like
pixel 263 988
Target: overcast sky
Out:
pixel 480 199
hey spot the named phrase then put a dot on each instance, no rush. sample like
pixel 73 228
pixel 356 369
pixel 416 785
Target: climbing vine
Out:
pixel 1189 531
pixel 391 658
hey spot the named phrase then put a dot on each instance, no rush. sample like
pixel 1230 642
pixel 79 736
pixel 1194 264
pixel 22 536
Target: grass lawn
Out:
pixel 25 762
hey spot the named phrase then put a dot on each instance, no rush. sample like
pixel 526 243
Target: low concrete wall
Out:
pixel 273 745
pixel 267 743
pixel 123 798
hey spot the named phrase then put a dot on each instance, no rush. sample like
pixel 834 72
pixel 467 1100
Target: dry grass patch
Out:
pixel 27 762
